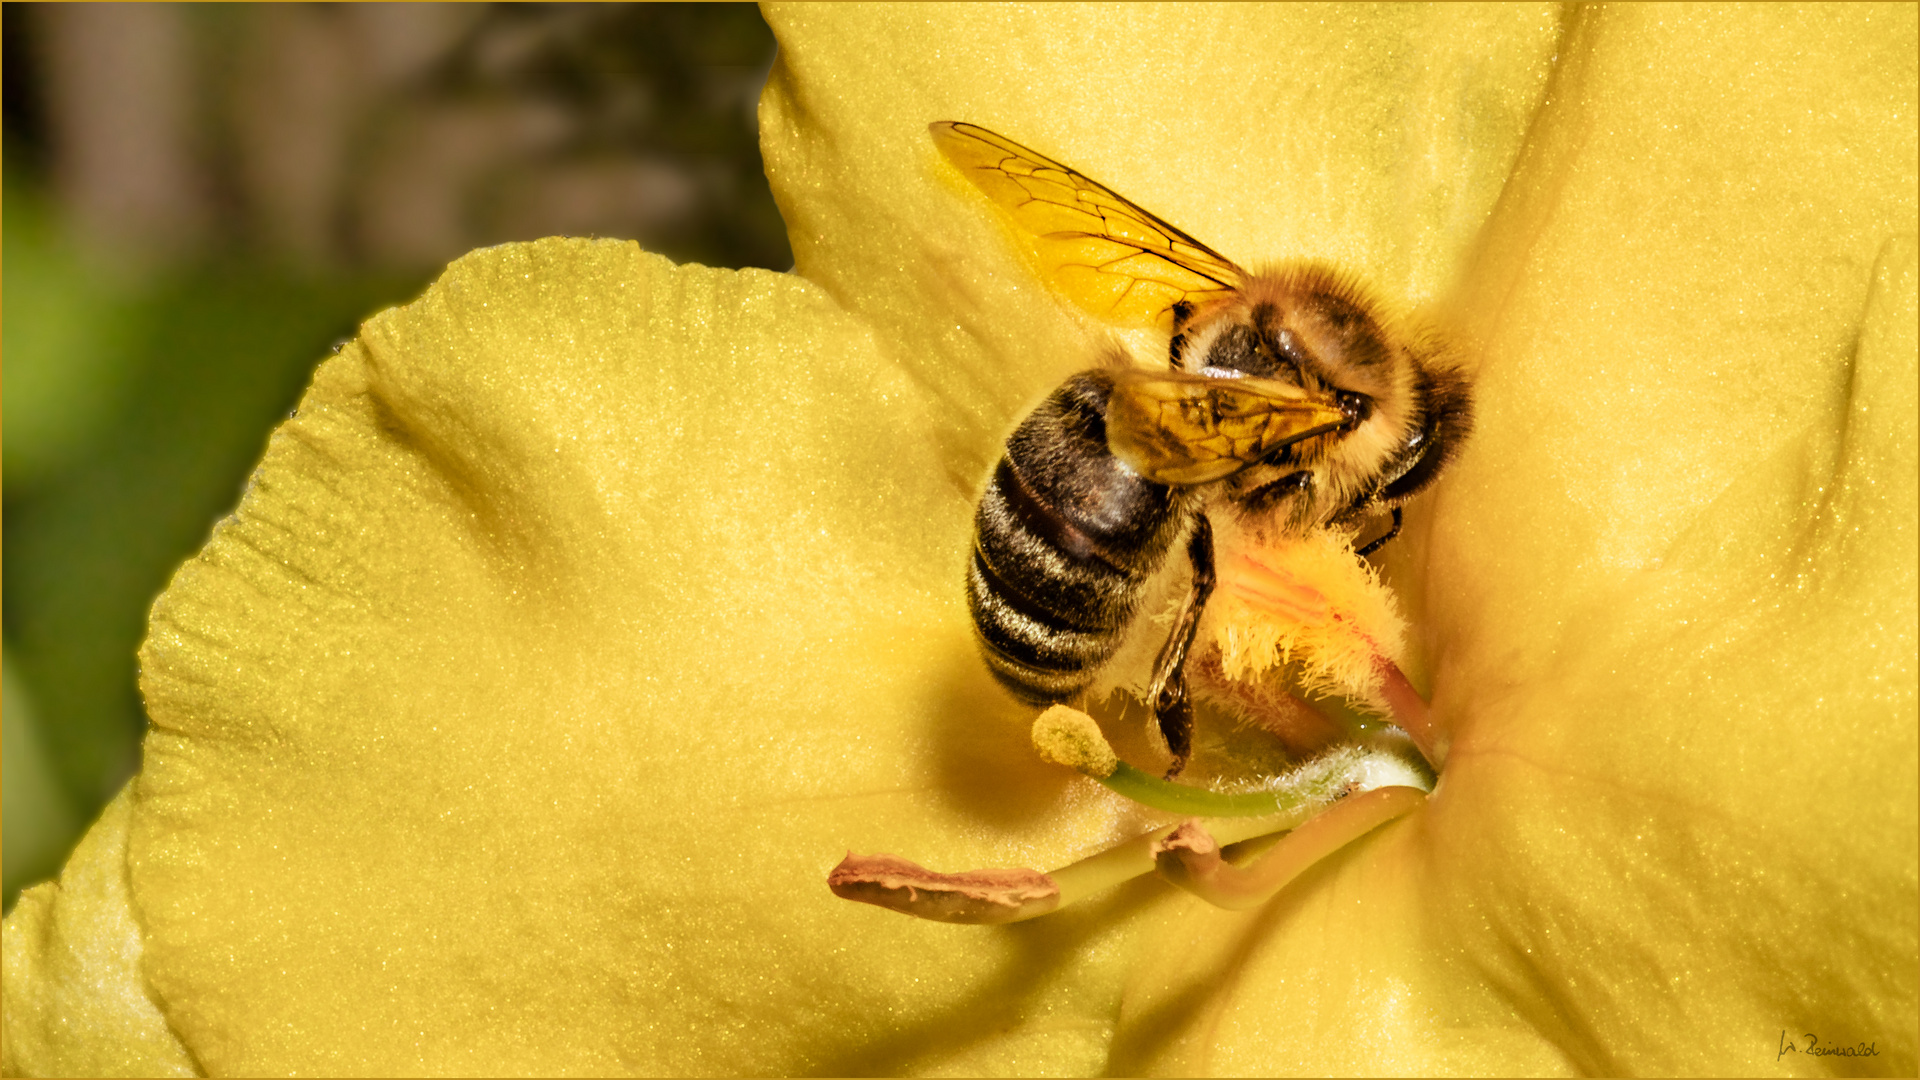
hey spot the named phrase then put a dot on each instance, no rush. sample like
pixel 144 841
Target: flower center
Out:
pixel 1299 622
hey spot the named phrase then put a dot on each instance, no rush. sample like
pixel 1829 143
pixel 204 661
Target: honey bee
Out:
pixel 1290 401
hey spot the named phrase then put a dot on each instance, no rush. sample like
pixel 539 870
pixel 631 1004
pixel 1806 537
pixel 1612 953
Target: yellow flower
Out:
pixel 592 606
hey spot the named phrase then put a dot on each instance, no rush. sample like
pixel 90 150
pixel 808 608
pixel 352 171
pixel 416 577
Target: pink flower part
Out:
pixel 1255 583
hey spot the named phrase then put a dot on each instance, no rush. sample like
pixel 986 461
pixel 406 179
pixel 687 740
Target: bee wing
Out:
pixel 1178 428
pixel 1116 261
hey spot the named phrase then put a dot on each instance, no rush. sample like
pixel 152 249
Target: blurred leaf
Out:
pixel 38 817
pixel 214 358
pixel 66 353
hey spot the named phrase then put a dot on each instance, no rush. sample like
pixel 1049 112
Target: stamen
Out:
pixel 1069 737
pixel 1410 712
pixel 1190 857
pixel 975 896
pixel 1015 895
pixel 1326 786
pixel 1132 858
pixel 1311 607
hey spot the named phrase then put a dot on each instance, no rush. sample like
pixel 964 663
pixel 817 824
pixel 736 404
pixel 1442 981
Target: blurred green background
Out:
pixel 201 201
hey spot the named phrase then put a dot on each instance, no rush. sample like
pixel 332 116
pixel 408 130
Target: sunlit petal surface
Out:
pixel 76 1004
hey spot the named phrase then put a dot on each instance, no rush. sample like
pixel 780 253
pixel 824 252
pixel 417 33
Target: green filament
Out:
pixel 1298 798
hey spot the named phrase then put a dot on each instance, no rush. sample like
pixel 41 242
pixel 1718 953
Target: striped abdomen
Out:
pixel 1065 539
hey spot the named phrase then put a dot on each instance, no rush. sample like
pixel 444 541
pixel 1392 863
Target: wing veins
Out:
pixel 1032 186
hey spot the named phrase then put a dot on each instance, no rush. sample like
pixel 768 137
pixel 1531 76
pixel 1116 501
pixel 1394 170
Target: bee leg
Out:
pixel 1182 311
pixel 1380 541
pixel 1171 707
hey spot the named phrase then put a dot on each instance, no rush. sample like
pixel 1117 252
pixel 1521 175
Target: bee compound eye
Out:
pixel 1357 406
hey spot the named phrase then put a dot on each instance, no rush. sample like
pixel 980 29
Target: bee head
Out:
pixel 1405 406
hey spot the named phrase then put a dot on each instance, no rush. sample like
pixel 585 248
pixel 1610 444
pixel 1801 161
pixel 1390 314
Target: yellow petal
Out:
pixel 75 1002
pixel 1671 602
pixel 587 612
pixel 1685 646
